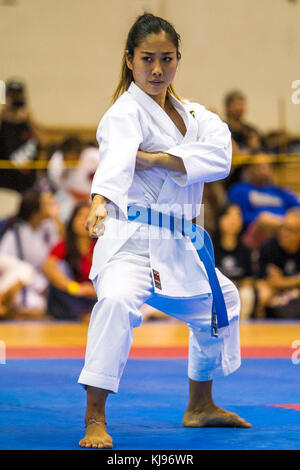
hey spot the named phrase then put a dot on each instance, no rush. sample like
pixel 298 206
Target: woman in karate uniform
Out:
pixel 155 151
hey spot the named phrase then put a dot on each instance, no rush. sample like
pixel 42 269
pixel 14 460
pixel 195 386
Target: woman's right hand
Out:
pixel 96 214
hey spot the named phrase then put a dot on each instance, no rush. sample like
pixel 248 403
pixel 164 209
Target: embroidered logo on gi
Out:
pixel 192 113
pixel 214 325
pixel 156 279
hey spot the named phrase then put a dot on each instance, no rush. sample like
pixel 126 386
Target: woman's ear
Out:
pixel 128 59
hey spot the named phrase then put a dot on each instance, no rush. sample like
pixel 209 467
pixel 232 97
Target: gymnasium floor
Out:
pixel 42 406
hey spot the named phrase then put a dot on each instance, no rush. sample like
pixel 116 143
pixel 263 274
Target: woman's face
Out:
pixel 48 206
pixel 231 222
pixel 80 221
pixel 289 234
pixel 154 64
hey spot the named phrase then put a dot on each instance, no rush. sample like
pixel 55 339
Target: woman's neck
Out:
pixel 234 123
pixel 160 99
pixel 34 222
pixel 83 244
pixel 290 248
pixel 229 241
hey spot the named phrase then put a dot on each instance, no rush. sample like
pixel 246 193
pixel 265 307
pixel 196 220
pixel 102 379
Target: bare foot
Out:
pixel 96 437
pixel 213 416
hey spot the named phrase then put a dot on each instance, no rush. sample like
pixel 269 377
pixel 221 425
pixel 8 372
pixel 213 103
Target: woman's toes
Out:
pixel 84 443
pixel 108 445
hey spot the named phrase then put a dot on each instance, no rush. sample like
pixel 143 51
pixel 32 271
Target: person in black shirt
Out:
pixel 246 139
pixel 19 139
pixel 233 258
pixel 279 270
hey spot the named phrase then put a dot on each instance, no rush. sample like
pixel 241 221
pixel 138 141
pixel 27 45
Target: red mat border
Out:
pixel 179 352
pixel 287 406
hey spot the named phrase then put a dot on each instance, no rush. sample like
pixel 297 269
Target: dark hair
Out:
pixel 231 96
pixel 30 204
pixel 71 144
pixel 72 253
pixel 223 211
pixel 144 25
pixel 13 86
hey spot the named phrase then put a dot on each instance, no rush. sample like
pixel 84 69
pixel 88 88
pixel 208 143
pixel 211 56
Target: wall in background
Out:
pixel 69 53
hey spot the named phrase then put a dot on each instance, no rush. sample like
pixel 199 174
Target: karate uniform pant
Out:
pixel 123 286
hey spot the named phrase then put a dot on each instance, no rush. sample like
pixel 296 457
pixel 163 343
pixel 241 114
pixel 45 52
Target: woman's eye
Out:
pixel 150 59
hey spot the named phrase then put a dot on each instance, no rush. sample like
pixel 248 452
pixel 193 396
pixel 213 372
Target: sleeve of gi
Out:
pixel 119 136
pixel 209 158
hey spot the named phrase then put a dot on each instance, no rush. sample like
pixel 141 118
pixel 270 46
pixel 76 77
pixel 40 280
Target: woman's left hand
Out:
pixel 146 160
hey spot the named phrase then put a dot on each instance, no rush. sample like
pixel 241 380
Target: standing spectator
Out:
pixel 30 237
pixel 71 293
pixel 233 257
pixel 280 270
pixel 72 185
pixel 19 139
pixel 235 110
pixel 246 139
pixel 263 204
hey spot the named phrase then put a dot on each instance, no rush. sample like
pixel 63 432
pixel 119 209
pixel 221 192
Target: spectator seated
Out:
pixel 279 271
pixel 29 237
pixel 71 294
pixel 233 257
pixel 263 204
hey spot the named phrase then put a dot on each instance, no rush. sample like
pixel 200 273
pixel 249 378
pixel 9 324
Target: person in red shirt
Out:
pixel 71 294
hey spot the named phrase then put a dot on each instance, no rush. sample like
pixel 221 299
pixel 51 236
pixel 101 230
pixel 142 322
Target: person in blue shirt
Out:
pixel 263 204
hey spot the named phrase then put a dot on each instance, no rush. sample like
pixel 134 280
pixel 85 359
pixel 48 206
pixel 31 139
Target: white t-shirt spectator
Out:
pixel 35 243
pixel 35 246
pixel 73 184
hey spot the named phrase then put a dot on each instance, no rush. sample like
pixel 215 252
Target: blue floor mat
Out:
pixel 42 406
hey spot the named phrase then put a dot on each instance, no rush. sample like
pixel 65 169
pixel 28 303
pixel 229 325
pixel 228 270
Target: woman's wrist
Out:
pixel 73 287
pixel 170 162
pixel 98 198
pixel 160 159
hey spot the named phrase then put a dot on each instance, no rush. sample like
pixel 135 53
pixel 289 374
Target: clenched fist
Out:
pixel 94 224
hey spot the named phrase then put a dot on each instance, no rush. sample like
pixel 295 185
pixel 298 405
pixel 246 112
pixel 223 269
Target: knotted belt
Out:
pixel 204 247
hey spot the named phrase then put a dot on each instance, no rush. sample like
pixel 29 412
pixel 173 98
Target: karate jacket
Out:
pixel 136 122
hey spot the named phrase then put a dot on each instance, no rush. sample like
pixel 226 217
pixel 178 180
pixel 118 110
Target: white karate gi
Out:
pixel 128 252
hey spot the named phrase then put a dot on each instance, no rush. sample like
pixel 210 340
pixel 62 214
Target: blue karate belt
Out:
pixel 204 247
